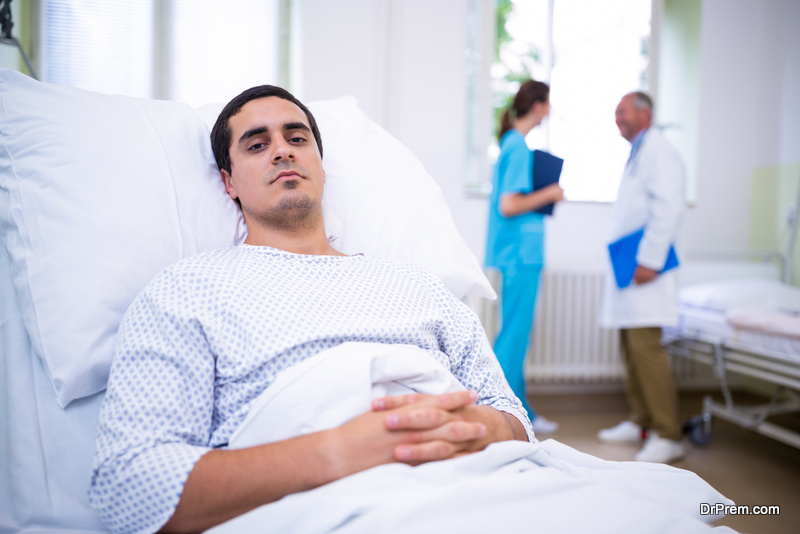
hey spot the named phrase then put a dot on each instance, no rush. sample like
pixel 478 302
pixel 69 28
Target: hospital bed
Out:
pixel 744 326
pixel 748 327
pixel 99 193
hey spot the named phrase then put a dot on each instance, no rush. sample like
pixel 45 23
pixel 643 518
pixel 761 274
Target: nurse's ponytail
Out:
pixel 529 93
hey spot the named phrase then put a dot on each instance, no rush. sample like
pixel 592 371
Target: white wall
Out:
pixel 747 105
pixel 342 52
pixel 429 106
pixel 413 51
pixel 678 96
pixel 404 61
pixel 789 137
pixel 576 236
pixel 741 107
pixel 748 116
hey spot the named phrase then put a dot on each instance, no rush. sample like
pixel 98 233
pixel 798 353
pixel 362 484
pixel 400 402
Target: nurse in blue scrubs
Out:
pixel 515 242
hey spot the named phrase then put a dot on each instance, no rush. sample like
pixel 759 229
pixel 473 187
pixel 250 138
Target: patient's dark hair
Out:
pixel 221 132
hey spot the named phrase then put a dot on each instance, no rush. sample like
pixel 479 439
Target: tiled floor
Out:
pixel 743 465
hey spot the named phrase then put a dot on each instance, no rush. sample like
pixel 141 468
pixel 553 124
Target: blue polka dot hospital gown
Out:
pixel 212 332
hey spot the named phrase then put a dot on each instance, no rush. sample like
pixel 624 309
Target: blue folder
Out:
pixel 546 171
pixel 623 258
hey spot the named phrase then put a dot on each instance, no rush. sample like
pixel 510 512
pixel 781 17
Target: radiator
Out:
pixel 567 344
pixel 567 347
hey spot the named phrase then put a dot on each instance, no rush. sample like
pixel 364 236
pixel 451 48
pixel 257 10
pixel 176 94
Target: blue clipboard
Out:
pixel 623 258
pixel 546 171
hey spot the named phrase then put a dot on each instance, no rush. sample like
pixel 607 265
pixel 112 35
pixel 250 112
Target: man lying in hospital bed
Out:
pixel 213 332
pixel 200 346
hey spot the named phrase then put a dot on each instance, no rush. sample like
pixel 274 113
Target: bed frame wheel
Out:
pixel 698 428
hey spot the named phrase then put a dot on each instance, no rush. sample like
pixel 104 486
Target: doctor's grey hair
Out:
pixel 642 100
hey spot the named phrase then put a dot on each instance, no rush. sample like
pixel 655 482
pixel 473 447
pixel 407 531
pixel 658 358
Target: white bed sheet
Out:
pixel 714 326
pixel 46 455
pixel 510 487
pixel 500 489
pixel 45 451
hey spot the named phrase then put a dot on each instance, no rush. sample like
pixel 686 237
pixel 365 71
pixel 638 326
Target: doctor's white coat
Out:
pixel 651 195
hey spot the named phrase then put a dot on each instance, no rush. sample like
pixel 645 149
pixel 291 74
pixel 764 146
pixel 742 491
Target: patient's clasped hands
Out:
pixel 436 427
pixel 415 429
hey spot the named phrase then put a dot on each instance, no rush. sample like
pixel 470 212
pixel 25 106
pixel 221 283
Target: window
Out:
pixel 591 53
pixel 195 51
pixel 98 45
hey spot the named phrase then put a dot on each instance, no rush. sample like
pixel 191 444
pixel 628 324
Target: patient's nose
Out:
pixel 283 150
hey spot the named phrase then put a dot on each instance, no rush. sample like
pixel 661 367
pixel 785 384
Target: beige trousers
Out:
pixel 652 395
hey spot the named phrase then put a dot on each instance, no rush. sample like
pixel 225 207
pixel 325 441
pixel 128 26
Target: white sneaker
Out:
pixel 626 431
pixel 660 450
pixel 541 425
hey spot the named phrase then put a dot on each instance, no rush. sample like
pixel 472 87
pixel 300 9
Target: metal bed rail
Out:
pixel 726 356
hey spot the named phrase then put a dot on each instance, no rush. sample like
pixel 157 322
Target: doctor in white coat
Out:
pixel 651 196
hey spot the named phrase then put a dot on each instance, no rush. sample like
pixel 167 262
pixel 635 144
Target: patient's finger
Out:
pixel 390 403
pixel 422 418
pixel 446 401
pixel 453 432
pixel 451 443
pixel 425 452
pixel 455 400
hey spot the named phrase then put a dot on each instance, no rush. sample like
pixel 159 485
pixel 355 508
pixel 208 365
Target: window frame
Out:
pixel 161 65
pixel 481 42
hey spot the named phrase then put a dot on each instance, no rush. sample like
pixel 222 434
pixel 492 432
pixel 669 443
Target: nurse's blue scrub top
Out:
pixel 514 242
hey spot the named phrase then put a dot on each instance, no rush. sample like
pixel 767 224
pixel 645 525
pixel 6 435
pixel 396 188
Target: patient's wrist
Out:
pixel 517 430
pixel 334 457
pixel 499 428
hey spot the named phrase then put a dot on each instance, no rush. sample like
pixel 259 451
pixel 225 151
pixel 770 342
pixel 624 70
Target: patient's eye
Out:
pixel 297 140
pixel 257 146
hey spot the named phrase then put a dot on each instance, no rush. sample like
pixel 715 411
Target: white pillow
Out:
pixel 98 193
pixel 381 201
pixel 374 183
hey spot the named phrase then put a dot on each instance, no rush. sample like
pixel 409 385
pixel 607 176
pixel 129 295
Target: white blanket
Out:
pixel 509 487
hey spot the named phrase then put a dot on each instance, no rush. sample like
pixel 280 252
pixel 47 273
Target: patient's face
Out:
pixel 276 168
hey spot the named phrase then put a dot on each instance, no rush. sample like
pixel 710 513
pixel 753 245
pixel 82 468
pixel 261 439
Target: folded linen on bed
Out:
pixel 332 387
pixel 509 486
pixel 768 322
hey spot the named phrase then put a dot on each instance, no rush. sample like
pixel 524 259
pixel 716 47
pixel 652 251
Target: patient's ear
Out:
pixel 226 179
pixel 324 178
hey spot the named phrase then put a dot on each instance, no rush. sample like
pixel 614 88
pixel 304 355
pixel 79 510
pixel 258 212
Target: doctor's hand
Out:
pixel 642 275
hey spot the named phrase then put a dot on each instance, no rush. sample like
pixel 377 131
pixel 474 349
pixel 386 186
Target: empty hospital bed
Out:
pixel 99 193
pixel 748 327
